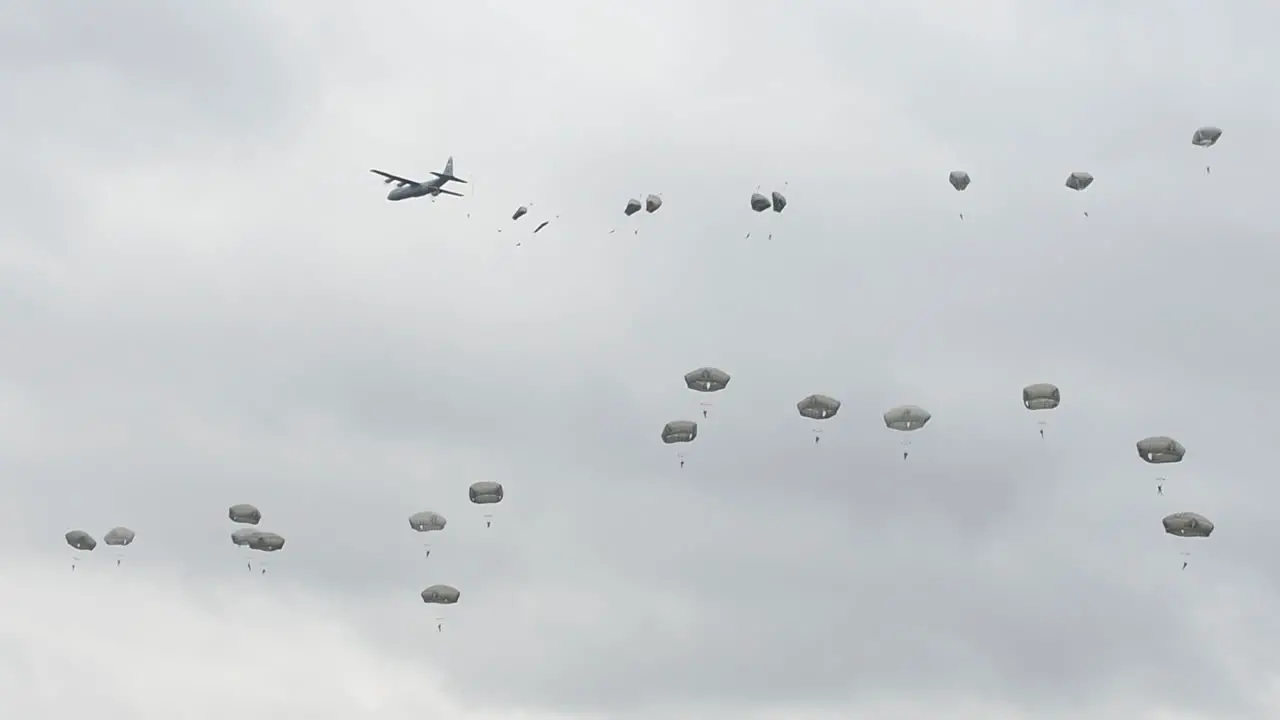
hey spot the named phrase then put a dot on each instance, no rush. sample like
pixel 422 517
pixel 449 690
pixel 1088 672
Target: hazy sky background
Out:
pixel 205 299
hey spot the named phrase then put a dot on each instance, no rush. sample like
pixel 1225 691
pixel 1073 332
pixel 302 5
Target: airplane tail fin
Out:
pixel 448 172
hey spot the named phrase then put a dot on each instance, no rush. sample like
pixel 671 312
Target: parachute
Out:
pixel 441 595
pixel 1188 524
pixel 265 542
pixel 679 431
pixel 1159 450
pixel 119 537
pixel 818 407
pixel 1206 136
pixel 427 521
pixel 81 540
pixel 759 202
pixel 633 207
pixel 520 212
pixel 1079 180
pixel 706 379
pixel 244 513
pixel 652 203
pixel 242 536
pixel 486 493
pixel 778 201
pixel 1041 396
pixel 959 179
pixel 906 418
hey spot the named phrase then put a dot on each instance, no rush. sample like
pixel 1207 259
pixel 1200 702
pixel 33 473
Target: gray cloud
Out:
pixel 280 334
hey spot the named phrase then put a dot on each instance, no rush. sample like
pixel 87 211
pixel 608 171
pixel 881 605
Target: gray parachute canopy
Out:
pixel 427 521
pixel 906 418
pixel 1188 524
pixel 1160 450
pixel 706 379
pixel 245 513
pixel 519 213
pixel 1079 180
pixel 81 540
pixel 243 536
pixel 265 541
pixel 1041 396
pixel 759 202
pixel 441 595
pixel 779 201
pixel 485 492
pixel 119 536
pixel 652 203
pixel 1206 136
pixel 959 179
pixel 818 407
pixel 679 431
pixel 633 207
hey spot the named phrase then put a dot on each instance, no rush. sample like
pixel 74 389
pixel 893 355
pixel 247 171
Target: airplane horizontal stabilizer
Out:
pixel 450 178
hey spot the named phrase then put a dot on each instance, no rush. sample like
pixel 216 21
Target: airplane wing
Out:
pixel 450 178
pixel 395 178
pixel 442 191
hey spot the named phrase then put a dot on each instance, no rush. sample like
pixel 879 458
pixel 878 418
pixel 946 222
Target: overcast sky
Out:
pixel 206 299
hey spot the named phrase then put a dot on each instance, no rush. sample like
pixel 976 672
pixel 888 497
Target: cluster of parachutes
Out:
pixel 81 541
pixel 1204 137
pixel 250 537
pixel 1037 397
pixel 485 492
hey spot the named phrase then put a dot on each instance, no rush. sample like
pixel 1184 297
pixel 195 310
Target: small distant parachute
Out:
pixel 486 492
pixel 520 212
pixel 242 536
pixel 759 202
pixel 1079 180
pixel 652 203
pixel 119 537
pixel 679 431
pixel 1160 450
pixel 441 595
pixel 541 225
pixel 244 513
pixel 706 379
pixel 427 521
pixel 1041 396
pixel 818 407
pixel 1188 524
pixel 778 201
pixel 1206 136
pixel 633 207
pixel 906 418
pixel 265 541
pixel 959 179
pixel 81 540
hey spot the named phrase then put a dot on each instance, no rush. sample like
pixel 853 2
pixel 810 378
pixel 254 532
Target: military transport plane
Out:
pixel 406 188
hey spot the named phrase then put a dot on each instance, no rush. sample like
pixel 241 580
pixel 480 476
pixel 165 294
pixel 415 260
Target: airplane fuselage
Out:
pixel 430 187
